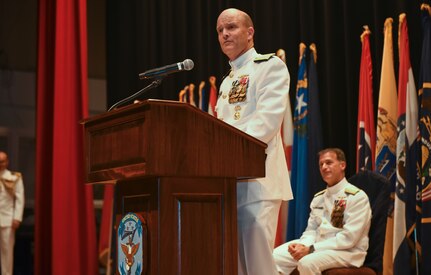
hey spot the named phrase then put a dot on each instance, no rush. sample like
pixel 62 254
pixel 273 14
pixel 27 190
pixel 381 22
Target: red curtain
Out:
pixel 65 233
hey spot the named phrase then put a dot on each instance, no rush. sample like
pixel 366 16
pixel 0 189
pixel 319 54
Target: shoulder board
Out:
pixel 320 193
pixel 18 174
pixel 264 57
pixel 351 190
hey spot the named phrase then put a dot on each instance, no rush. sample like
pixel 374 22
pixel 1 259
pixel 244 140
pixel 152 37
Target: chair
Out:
pixel 377 188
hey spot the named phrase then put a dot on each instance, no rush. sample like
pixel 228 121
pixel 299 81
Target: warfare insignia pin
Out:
pixel 130 243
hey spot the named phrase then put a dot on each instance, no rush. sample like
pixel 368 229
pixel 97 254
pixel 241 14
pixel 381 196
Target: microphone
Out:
pixel 186 65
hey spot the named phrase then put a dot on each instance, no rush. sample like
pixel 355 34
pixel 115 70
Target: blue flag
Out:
pixel 298 208
pixel 425 130
pixel 314 129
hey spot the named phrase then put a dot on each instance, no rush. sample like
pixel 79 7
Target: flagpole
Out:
pixel 416 252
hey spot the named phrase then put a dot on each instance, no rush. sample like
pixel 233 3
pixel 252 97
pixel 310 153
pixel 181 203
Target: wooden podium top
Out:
pixel 167 138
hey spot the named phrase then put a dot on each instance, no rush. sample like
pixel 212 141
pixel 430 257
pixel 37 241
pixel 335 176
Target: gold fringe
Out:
pixel 314 51
pixel 365 32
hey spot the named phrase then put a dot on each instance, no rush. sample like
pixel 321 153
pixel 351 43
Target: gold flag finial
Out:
pixel 426 7
pixel 302 48
pixel 401 19
pixel 314 51
pixel 281 54
pixel 388 22
pixel 365 32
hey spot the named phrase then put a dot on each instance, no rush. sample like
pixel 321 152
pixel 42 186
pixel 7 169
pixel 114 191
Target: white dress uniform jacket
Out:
pixel 253 98
pixel 338 229
pixel 11 207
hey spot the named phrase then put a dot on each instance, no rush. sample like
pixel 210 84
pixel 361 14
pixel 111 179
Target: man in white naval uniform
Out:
pixel 253 98
pixel 337 230
pixel 11 210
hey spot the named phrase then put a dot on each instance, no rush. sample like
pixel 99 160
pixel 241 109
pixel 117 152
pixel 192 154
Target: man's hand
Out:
pixel 298 250
pixel 15 224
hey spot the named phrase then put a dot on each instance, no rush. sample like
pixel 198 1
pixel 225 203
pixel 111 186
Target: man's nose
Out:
pixel 225 33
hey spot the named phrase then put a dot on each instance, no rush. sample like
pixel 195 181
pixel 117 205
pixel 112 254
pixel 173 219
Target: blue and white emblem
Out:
pixel 130 243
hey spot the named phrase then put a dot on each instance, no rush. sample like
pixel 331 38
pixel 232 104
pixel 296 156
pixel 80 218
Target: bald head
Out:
pixel 243 17
pixel 4 161
pixel 235 32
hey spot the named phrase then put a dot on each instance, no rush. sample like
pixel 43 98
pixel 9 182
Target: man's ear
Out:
pixel 250 32
pixel 343 165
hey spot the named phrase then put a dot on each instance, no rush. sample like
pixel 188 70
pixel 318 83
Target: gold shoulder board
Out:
pixel 320 193
pixel 351 190
pixel 18 174
pixel 264 57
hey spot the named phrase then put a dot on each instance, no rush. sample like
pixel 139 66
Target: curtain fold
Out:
pixel 65 231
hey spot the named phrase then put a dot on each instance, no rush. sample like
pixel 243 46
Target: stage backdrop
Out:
pixel 145 34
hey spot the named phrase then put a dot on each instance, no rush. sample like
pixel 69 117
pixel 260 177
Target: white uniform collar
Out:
pixel 337 187
pixel 243 59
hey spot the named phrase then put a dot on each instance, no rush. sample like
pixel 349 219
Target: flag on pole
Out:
pixel 65 230
pixel 425 131
pixel 366 134
pixel 314 129
pixel 298 209
pixel 287 137
pixel 213 96
pixel 387 134
pixel 406 157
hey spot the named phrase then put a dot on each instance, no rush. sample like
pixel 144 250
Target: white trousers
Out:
pixel 7 242
pixel 257 225
pixel 310 264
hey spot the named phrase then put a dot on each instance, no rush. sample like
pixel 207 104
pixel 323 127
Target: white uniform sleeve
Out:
pixel 308 237
pixel 19 200
pixel 272 93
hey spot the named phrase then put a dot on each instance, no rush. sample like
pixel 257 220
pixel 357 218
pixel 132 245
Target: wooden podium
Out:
pixel 176 166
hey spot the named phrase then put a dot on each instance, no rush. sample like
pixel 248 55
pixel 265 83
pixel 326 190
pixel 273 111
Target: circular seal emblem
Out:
pixel 130 243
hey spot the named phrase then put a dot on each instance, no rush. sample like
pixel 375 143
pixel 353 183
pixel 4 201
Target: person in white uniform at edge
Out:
pixel 338 225
pixel 11 211
pixel 253 98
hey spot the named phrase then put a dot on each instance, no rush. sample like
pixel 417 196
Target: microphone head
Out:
pixel 188 64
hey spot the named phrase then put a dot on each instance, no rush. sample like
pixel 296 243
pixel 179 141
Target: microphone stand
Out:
pixel 153 84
